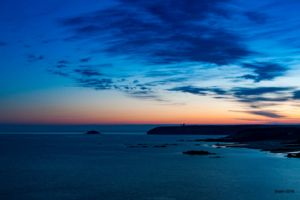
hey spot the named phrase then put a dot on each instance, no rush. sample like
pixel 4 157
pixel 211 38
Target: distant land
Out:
pixel 273 138
pixel 276 139
pixel 209 129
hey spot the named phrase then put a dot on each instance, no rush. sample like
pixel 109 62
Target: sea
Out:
pixel 124 163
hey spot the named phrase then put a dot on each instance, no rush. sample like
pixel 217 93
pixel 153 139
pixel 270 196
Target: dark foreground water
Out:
pixel 73 166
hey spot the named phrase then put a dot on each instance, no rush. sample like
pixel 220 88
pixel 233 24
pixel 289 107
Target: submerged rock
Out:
pixel 215 157
pixel 293 155
pixel 160 146
pixel 137 146
pixel 92 132
pixel 197 152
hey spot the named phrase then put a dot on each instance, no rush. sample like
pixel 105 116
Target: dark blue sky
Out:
pixel 236 59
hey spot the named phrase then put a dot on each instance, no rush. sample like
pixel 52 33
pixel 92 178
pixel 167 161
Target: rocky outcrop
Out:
pixel 197 153
pixel 92 132
pixel 293 155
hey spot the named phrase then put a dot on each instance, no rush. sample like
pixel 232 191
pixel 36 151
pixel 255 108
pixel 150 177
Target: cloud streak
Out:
pixel 264 71
pixel 255 98
pixel 88 72
pixel 97 84
pixel 200 91
pixel 269 114
pixel 34 58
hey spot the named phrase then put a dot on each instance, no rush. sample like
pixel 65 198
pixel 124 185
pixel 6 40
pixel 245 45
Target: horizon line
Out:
pixel 140 124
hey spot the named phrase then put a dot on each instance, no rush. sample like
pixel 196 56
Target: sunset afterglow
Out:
pixel 143 62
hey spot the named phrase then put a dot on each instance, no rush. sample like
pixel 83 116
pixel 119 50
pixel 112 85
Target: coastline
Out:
pixel 272 138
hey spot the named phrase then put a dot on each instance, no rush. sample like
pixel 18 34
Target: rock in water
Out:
pixel 92 132
pixel 293 155
pixel 197 152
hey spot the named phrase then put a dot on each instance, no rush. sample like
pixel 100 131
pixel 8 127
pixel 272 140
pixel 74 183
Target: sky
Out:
pixel 149 62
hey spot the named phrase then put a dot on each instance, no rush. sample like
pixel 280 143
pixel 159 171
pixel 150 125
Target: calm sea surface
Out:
pixel 124 166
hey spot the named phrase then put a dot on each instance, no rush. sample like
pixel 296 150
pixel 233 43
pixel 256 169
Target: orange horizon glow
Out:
pixel 212 121
pixel 67 106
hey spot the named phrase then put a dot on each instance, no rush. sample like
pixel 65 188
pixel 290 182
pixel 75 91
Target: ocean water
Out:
pixel 117 167
pixel 76 129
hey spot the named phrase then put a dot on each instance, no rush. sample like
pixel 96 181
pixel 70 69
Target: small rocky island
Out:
pixel 197 153
pixel 92 132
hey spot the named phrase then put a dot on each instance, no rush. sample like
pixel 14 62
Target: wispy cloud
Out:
pixel 270 114
pixel 297 95
pixel 97 84
pixel 262 94
pixel 34 58
pixel 257 17
pixel 84 60
pixel 200 91
pixel 63 62
pixel 257 98
pixel 88 72
pixel 264 71
pixel 160 35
